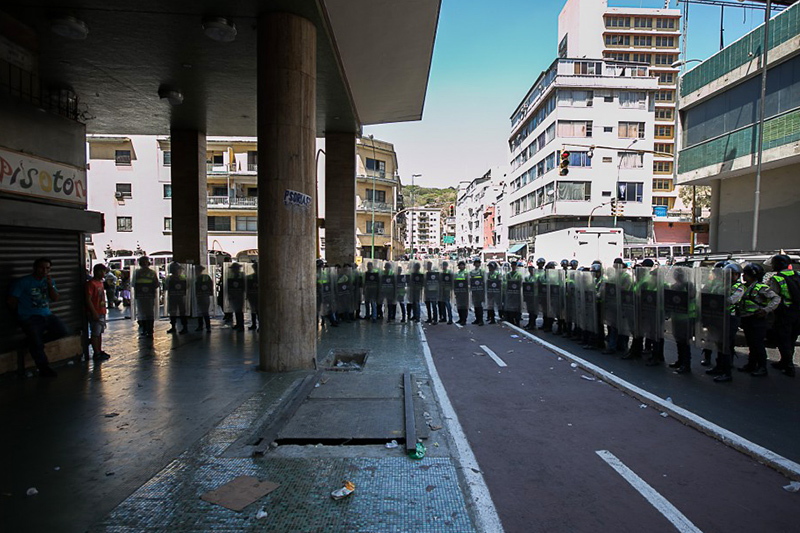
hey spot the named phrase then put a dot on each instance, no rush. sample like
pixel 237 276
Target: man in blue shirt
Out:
pixel 30 298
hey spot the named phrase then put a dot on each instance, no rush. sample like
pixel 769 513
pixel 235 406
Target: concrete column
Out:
pixel 287 192
pixel 713 225
pixel 189 207
pixel 340 197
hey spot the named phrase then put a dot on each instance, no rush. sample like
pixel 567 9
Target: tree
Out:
pixel 702 196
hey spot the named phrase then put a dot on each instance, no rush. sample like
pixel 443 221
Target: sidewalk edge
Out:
pixel 477 490
pixel 777 462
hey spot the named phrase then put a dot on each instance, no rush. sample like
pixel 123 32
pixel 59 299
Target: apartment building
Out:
pixel 379 221
pixel 591 29
pixel 472 199
pixel 719 132
pixel 598 115
pixel 424 235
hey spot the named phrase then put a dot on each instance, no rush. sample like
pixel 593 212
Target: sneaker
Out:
pixel 343 492
pixel 47 372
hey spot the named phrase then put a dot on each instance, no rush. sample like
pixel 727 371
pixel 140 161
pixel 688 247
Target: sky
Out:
pixel 486 56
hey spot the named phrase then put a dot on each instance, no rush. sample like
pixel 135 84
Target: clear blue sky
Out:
pixel 487 55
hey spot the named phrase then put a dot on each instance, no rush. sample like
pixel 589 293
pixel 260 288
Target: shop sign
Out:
pixel 25 175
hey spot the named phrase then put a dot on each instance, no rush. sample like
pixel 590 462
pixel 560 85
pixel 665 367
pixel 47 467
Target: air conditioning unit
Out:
pixel 118 195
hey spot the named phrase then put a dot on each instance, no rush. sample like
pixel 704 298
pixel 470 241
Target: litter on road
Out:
pixel 343 492
pixel 392 444
pixel 642 406
pixel 515 336
pixel 32 491
pixel 574 365
pixel 262 513
pixel 794 486
pixel 419 452
pixel 588 378
pixel 664 415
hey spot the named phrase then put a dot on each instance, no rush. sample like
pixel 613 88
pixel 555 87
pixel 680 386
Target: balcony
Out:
pixel 249 168
pixel 236 202
pixel 380 207
pixel 221 169
pixel 380 176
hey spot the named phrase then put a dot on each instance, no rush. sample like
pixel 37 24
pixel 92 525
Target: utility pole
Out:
pixel 761 113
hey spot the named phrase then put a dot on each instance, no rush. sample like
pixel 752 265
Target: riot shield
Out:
pixel 477 287
pixel 571 298
pixel 512 298
pixel 461 289
pixel 358 289
pixel 713 316
pixel 611 298
pixel 416 283
pixel 494 288
pixel 650 323
pixel 529 295
pixel 628 318
pixel 388 280
pixel 177 288
pixel 344 288
pixel 203 294
pixel 677 284
pixel 325 291
pixel 402 283
pixel 432 281
pixel 446 283
pixel 251 286
pixel 541 291
pixel 588 288
pixel 233 288
pixel 144 293
pixel 371 276
pixel 555 292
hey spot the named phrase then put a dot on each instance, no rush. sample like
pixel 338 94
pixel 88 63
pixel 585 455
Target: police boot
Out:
pixel 199 324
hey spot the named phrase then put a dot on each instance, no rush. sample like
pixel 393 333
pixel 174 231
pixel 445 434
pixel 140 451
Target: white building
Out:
pixel 424 230
pixel 472 199
pixel 602 113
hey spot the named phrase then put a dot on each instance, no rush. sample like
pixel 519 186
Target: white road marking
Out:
pixel 485 511
pixel 493 355
pixel 764 455
pixel 670 512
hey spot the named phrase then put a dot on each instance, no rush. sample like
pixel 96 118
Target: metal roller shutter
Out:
pixel 18 249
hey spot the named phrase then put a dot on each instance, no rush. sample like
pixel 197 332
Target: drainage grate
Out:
pixel 347 360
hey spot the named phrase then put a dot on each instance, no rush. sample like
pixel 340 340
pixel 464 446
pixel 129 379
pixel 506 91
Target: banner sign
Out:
pixel 26 175
pixel 296 199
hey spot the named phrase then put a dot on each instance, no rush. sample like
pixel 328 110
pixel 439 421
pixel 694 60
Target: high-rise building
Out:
pixel 424 233
pixel 591 29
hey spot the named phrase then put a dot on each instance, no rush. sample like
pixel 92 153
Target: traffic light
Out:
pixel 564 163
pixel 617 208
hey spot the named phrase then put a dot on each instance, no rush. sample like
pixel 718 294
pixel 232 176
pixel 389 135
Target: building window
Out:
pixel 630 130
pixel 608 129
pixel 628 160
pixel 665 42
pixel 666 78
pixel 574 191
pixel 664 132
pixel 643 22
pixel 575 98
pixel 167 224
pixel 219 223
pixel 379 227
pixel 124 223
pixel 618 40
pixel 374 195
pixel 122 158
pixel 607 160
pixel 574 128
pixel 663 148
pixel 664 114
pixel 562 46
pixel 662 185
pixel 665 201
pixel 633 99
pixel 167 158
pixel 641 58
pixel 588 68
pixel 665 24
pixel 167 190
pixel 629 191
pixel 376 165
pixel 579 159
pixel 662 167
pixel 244 223
pixel 665 59
pixel 618 22
pixel 124 190
pixel 664 96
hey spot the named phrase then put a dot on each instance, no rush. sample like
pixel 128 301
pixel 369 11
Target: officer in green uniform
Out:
pixel 446 290
pixel 204 292
pixel 512 299
pixel 145 288
pixel 461 291
pixel 757 302
pixel 176 298
pixel 494 283
pixel 722 371
pixel 477 290
pixel 786 284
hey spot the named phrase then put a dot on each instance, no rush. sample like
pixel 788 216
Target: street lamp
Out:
pixel 412 212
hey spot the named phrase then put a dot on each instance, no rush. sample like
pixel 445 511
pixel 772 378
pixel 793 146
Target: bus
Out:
pixel 661 252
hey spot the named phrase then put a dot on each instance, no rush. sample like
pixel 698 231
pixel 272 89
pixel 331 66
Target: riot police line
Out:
pixel 187 291
pixel 632 312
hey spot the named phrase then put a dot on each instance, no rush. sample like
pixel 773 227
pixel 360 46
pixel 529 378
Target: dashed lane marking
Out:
pixel 662 505
pixel 493 355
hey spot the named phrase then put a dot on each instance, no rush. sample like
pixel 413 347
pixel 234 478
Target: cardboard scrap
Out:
pixel 239 493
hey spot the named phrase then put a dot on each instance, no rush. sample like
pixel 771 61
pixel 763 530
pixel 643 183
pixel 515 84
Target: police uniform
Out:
pixel 787 319
pixel 757 301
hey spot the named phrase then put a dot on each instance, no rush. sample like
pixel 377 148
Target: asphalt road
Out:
pixel 561 451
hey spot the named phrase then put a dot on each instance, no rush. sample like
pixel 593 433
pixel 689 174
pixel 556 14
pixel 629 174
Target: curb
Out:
pixel 767 457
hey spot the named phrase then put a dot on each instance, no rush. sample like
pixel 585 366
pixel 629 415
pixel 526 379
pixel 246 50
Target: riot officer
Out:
pixel 547 321
pixel 416 284
pixel 713 286
pixel 388 292
pixel 477 290
pixel 461 292
pixel 682 318
pixel 493 290
pixel 204 292
pixel 234 287
pixel 324 295
pixel 446 289
pixel 431 293
pixel 252 296
pixel 176 298
pixel 512 295
pixel 145 287
pixel 529 295
pixel 541 290
pixel 757 302
pixel 722 371
pixel 786 284
pixel 402 288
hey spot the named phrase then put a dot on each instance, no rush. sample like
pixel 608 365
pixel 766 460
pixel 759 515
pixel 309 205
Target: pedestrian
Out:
pixel 96 311
pixel 757 302
pixel 110 285
pixel 30 299
pixel 145 291
pixel 252 297
pixel 786 284
pixel 235 294
pixel 204 293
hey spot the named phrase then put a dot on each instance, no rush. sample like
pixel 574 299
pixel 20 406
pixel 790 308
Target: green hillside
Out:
pixel 428 196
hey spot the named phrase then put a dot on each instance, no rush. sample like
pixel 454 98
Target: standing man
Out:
pixel 757 302
pixel 176 298
pixel 96 309
pixel 529 295
pixel 786 284
pixel 722 372
pixel 235 295
pixel 431 293
pixel 476 286
pixel 251 282
pixel 145 296
pixel 30 298
pixel 416 284
pixel 512 300
pixel 494 287
pixel 445 307
pixel 461 292
pixel 204 296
